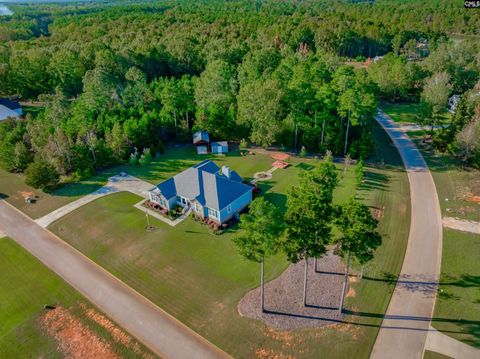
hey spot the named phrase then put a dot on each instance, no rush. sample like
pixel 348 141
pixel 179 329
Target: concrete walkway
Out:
pixel 461 225
pixel 160 217
pixel 443 344
pixel 115 184
pixel 404 329
pixel 163 334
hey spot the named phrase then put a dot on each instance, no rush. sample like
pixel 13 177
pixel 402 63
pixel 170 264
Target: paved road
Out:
pixel 406 324
pixel 159 331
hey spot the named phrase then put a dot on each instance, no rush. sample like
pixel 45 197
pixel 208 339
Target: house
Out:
pixel 219 147
pixel 9 108
pixel 211 192
pixel 201 140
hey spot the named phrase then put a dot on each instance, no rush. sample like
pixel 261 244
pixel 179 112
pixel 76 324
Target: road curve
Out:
pixel 159 331
pixel 406 323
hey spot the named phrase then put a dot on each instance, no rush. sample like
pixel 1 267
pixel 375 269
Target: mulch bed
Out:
pixel 284 296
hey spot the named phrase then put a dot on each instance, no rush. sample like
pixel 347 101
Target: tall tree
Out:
pixel 260 108
pixel 359 237
pixel 435 93
pixel 215 98
pixel 260 235
pixel 309 215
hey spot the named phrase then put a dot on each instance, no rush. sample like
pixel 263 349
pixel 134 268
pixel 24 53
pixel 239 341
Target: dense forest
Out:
pixel 118 79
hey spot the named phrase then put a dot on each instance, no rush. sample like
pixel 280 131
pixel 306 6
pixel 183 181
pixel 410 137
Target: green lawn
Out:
pixel 12 188
pixel 401 112
pixel 199 278
pixel 406 112
pixel 434 355
pixel 25 286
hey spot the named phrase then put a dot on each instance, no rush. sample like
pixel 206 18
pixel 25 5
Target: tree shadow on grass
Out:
pixel 464 281
pixel 472 324
pixel 375 181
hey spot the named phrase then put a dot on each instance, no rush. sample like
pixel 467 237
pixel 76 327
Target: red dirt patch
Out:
pixel 74 339
pixel 263 353
pixel 475 199
pixel 118 335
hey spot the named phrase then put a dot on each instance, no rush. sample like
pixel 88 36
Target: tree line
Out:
pixel 118 80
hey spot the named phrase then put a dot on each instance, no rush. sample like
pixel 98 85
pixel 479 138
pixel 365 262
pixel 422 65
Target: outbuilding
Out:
pixel 219 147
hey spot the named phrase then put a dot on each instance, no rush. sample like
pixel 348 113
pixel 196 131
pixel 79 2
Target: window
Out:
pixel 229 208
pixel 212 213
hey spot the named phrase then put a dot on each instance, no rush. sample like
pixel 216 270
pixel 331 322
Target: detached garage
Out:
pixel 219 147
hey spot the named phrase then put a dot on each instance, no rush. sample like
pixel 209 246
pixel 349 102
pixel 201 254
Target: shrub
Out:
pixel 133 160
pixel 41 174
pixel 359 171
pixel 303 152
pixel 243 143
pixel 145 158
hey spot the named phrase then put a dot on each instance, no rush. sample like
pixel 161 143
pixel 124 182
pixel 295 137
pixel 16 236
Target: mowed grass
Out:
pixel 199 277
pixel 401 112
pixel 25 286
pixel 13 189
pixel 406 112
pixel 457 311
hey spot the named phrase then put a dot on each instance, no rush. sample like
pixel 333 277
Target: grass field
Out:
pixel 199 278
pixel 457 311
pixel 406 112
pixel 25 286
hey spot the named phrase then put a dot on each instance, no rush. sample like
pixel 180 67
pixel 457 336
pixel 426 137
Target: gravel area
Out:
pixel 284 296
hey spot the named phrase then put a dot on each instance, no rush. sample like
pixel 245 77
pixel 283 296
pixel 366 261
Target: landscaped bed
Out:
pixel 200 278
pixel 173 214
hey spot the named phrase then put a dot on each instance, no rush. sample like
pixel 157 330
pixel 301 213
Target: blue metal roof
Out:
pixel 201 136
pixel 206 184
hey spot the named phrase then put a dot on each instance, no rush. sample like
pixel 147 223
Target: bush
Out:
pixel 41 174
pixel 145 158
pixel 133 160
pixel 359 172
pixel 243 143
pixel 303 152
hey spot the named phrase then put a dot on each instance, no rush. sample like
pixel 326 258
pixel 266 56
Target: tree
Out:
pixel 393 75
pixel 468 142
pixel 215 98
pixel 309 215
pixel 41 174
pixel 260 236
pixel 117 141
pixel 260 108
pixel 359 237
pixel 435 93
